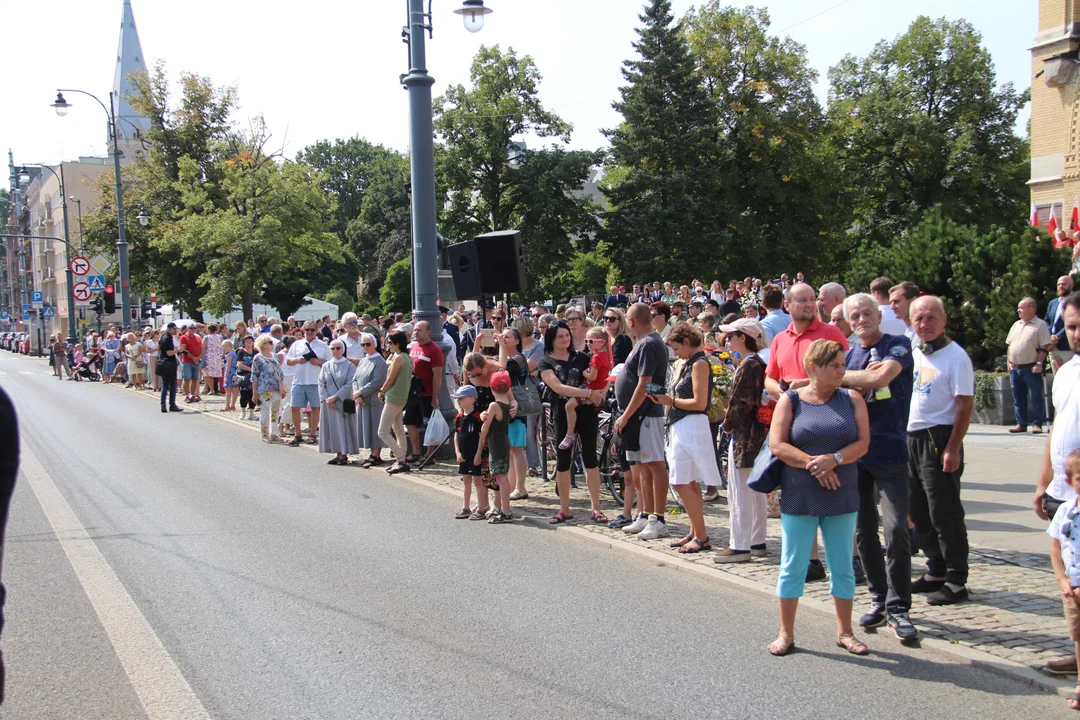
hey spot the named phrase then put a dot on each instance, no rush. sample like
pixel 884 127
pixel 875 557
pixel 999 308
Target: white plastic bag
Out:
pixel 437 429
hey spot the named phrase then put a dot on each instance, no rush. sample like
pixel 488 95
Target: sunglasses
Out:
pixel 309 330
pixel 498 317
pixel 596 341
pixel 537 315
pixel 609 318
pixel 367 344
pixel 573 319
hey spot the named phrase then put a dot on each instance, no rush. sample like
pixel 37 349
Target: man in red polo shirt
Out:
pixel 191 352
pixel 785 370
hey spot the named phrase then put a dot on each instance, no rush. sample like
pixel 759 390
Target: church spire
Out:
pixel 129 59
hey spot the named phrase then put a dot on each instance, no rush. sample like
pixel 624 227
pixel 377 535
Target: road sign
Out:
pixel 49 312
pixel 96 282
pixel 37 299
pixel 80 266
pixel 26 316
pixel 25 308
pixel 81 291
pixel 4 315
pixel 100 264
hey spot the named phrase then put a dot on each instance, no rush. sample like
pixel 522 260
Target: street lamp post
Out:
pixel 67 251
pixel 61 106
pixel 422 167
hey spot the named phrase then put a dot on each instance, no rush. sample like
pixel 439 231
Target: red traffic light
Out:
pixel 109 290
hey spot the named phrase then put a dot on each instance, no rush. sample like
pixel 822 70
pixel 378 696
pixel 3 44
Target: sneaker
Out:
pixel 876 616
pixel 947 596
pixel 860 574
pixel 653 529
pixel 758 550
pixel 902 628
pixel 638 525
pixel 922 585
pixel 815 571
pixel 732 556
pixel 620 521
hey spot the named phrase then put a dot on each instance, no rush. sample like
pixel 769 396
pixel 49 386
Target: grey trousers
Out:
pixel 935 503
pixel 887 576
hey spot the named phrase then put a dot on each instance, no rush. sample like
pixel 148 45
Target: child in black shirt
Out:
pixel 467 446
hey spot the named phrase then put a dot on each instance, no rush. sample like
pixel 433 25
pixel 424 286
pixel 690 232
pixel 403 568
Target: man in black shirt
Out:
pixel 9 468
pixel 166 369
pixel 731 305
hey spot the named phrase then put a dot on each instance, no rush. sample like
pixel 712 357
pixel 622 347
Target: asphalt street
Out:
pixel 276 586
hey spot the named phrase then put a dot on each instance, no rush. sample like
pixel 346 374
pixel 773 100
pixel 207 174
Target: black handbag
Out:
pixel 348 406
pixel 767 471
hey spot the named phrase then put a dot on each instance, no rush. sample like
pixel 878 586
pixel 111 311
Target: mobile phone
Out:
pixel 487 337
pixel 654 389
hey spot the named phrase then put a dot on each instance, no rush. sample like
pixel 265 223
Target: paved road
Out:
pixel 261 583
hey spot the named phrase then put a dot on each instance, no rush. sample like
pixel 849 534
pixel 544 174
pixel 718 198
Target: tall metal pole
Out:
pixel 67 264
pixel 121 244
pixel 422 167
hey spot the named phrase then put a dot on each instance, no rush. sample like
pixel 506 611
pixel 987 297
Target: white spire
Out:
pixel 129 59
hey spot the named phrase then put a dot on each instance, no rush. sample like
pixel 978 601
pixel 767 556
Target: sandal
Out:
pixel 853 646
pixel 369 462
pixel 781 646
pixel 463 514
pixel 398 467
pixel 599 518
pixel 682 541
pixel 478 513
pixel 1074 701
pixel 295 442
pixel 560 517
pixel 696 545
pixel 333 461
pixel 515 495
pixel 567 442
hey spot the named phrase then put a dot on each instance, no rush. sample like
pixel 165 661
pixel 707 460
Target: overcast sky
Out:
pixel 329 68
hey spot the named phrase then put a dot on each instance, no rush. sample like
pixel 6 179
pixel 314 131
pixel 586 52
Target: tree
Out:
pixel 665 215
pixel 490 182
pixel 921 122
pixel 396 293
pixel 774 170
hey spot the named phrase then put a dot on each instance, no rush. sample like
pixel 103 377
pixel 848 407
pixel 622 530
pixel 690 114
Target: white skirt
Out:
pixel 690 453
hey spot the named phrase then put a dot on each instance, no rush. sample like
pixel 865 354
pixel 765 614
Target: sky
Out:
pixel 329 68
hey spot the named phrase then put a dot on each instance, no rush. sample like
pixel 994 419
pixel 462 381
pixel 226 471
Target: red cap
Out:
pixel 500 382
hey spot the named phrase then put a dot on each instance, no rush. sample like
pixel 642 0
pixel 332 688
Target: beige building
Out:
pixel 1055 111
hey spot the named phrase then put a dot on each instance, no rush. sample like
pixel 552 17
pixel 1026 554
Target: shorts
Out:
pixel 417 410
pixel 651 445
pixel 190 370
pixel 517 433
pixel 1072 620
pixel 467 468
pixel 302 395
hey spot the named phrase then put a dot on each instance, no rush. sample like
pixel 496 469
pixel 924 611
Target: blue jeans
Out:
pixel 1025 382
pixel 798 535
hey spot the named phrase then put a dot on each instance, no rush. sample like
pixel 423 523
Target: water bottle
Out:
pixel 879 393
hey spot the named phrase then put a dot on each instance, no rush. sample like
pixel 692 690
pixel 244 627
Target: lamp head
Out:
pixel 143 218
pixel 61 105
pixel 473 12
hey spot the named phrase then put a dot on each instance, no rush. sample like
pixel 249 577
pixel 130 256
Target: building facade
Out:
pixel 1055 112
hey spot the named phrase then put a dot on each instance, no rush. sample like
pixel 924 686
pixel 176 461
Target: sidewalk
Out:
pixel 1015 610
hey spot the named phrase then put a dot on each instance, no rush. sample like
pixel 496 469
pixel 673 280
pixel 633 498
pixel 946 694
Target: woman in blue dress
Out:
pixel 111 346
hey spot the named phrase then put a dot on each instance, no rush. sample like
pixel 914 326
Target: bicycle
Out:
pixel 611 475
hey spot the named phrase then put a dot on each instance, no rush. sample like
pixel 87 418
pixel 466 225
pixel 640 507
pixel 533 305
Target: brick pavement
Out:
pixel 1014 613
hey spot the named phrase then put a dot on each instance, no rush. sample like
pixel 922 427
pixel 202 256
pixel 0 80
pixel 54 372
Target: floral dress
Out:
pixel 213 356
pixel 112 356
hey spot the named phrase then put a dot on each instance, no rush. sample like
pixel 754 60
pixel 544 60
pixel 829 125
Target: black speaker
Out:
pixel 489 264
pixel 502 262
pixel 466 270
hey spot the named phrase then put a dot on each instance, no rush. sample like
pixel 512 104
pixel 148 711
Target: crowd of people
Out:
pixel 856 405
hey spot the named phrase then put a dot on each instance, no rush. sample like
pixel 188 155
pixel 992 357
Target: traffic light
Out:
pixel 97 305
pixel 110 299
pixel 148 309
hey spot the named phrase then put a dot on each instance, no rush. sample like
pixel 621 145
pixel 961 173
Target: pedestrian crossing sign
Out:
pixel 96 282
pixel 49 312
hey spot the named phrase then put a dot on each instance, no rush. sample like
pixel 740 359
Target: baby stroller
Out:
pixel 84 370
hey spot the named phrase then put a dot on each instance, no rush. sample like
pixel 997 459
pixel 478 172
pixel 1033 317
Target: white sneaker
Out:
pixel 653 529
pixel 638 525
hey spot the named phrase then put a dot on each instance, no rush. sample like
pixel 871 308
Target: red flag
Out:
pixel 1074 221
pixel 1051 224
pixel 1034 221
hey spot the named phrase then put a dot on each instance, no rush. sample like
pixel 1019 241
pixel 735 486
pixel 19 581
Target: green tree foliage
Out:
pixel 395 295
pixel 774 169
pixel 491 183
pixel 370 184
pixel 665 215
pixel 921 122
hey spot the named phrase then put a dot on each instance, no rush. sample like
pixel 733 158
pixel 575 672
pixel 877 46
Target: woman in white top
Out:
pixel 133 353
pixel 150 342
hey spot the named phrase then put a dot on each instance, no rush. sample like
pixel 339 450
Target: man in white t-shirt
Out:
pixel 1052 488
pixel 890 323
pixel 306 357
pixel 942 402
pixel 900 297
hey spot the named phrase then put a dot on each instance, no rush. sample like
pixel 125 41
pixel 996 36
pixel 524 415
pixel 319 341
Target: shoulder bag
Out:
pixel 526 395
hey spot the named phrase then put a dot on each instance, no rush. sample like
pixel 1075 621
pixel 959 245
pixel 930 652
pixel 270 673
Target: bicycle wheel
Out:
pixel 610 472
pixel 548 449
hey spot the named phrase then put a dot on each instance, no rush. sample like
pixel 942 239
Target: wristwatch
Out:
pixel 838 458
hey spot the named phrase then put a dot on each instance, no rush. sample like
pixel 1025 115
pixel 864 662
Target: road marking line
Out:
pixel 157 681
pixel 27 372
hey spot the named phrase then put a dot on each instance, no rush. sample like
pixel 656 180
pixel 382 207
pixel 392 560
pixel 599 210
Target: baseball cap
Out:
pixel 500 382
pixel 464 391
pixel 746 326
pixel 171 326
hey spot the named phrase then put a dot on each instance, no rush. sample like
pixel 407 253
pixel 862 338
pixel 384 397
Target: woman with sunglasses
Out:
pixel 533 350
pixel 512 357
pixel 575 320
pixel 394 393
pixel 562 371
pixel 614 321
pixel 370 376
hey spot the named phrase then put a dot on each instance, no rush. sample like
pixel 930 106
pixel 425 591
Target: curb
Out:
pixel 955 651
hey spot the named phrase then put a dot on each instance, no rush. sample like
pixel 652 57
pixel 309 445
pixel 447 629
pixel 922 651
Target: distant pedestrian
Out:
pixel 370 376
pixel 168 351
pixel 338 433
pixel 1029 341
pixel 269 385
pixel 394 394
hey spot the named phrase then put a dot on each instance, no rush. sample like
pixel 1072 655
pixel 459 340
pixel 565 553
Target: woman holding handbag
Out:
pixel 370 376
pixel 748 434
pixel 818 432
pixel 338 431
pixel 512 358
